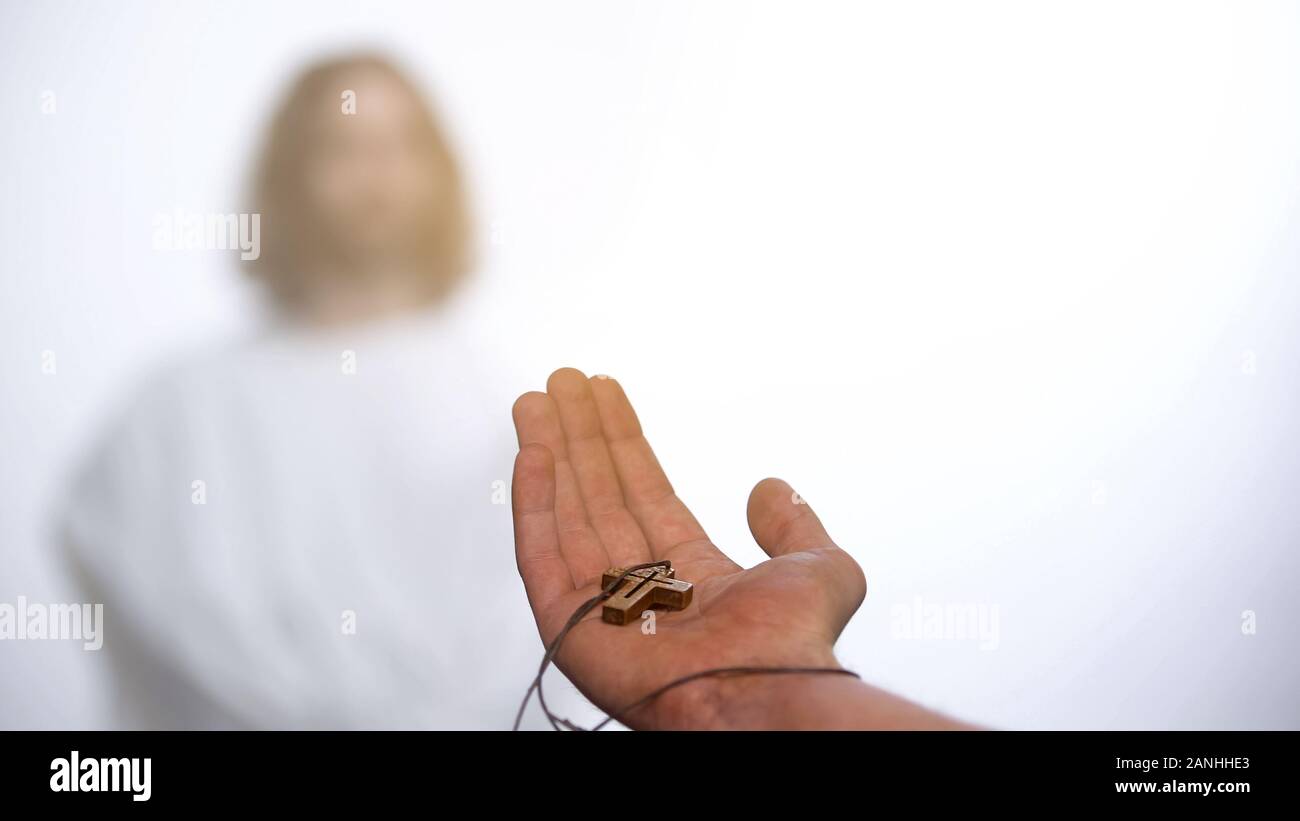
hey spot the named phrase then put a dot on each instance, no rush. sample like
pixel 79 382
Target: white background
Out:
pixel 1007 291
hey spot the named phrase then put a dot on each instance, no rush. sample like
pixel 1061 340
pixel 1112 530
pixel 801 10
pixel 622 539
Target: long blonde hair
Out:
pixel 294 243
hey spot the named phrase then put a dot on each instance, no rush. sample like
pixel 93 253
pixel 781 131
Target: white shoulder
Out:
pixel 123 491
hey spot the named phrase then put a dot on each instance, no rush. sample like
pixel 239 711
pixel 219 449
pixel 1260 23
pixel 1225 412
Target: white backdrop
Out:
pixel 1008 291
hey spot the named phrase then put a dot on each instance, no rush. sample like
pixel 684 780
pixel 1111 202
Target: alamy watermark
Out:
pixel 22 620
pixel 77 774
pixel 923 620
pixel 185 231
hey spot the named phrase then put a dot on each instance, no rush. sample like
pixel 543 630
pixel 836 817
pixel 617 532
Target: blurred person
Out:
pixel 301 531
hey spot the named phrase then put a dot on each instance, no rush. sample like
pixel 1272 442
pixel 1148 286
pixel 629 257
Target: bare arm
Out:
pixel 589 495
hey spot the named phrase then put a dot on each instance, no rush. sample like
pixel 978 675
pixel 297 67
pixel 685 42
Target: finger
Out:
pixel 782 522
pixel 537 422
pixel 784 525
pixel 537 539
pixel 597 480
pixel 672 532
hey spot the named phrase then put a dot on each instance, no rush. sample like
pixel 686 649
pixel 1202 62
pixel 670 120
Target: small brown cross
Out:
pixel 641 589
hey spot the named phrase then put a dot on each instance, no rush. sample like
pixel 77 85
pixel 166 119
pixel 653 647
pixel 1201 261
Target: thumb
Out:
pixel 782 522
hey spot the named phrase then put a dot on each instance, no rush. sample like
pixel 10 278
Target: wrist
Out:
pixel 786 700
pixel 758 695
pixel 791 701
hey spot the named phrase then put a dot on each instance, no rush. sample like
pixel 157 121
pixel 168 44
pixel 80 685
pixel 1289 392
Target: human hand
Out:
pixel 589 495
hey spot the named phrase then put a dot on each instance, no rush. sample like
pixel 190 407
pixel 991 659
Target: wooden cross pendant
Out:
pixel 641 589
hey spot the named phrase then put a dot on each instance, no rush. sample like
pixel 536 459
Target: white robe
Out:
pixel 377 499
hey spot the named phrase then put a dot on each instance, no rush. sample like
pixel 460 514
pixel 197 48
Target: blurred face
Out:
pixel 370 176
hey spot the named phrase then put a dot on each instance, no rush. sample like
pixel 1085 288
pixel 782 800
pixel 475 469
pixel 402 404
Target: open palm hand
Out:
pixel 590 495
